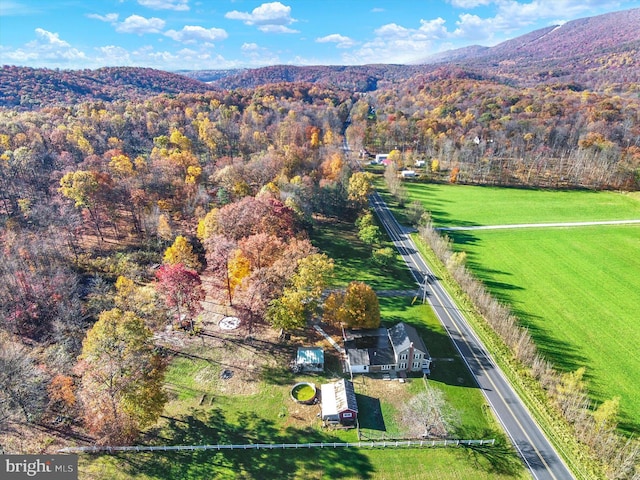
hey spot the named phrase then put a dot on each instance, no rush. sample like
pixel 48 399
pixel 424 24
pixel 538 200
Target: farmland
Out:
pixel 575 289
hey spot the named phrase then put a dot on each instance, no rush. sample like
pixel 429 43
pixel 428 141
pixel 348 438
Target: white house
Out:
pixel 381 157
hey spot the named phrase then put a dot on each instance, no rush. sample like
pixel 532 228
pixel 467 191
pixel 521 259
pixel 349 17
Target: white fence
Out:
pixel 272 446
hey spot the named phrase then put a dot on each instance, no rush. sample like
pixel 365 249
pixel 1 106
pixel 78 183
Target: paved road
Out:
pixel 540 225
pixel 534 448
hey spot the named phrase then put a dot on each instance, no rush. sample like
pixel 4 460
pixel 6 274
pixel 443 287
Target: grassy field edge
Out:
pixel 555 428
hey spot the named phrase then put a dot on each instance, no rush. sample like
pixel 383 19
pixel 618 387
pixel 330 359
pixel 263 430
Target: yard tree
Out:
pixel 428 415
pixel 182 290
pixel 288 312
pixel 383 256
pixel 141 299
pixel 261 249
pixel 301 296
pixel 365 220
pixel 312 275
pixel 395 157
pixel 122 378
pixel 219 254
pixel 181 252
pixel 357 307
pixel 239 268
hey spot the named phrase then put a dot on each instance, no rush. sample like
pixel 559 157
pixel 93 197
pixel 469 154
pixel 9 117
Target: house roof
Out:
pixel 403 335
pixel 369 347
pixel 338 397
pixel 310 355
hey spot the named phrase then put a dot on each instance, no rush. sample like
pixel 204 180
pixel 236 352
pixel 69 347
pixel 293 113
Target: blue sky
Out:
pixel 220 34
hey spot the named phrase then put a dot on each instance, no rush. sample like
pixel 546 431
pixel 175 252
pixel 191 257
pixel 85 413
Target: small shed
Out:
pixel 339 402
pixel 310 359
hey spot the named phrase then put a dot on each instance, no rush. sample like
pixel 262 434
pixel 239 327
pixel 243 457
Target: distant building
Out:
pixel 398 348
pixel 381 157
pixel 420 163
pixel 408 173
pixel 310 359
pixel 338 402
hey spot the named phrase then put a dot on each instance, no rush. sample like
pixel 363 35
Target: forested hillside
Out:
pixel 556 135
pixel 25 87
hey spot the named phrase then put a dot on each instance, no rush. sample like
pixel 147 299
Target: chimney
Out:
pixel 410 363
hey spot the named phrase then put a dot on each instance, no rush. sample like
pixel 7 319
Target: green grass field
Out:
pixel 457 205
pixel 577 289
pixel 353 258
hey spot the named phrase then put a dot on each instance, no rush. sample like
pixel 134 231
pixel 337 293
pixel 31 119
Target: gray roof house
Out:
pixel 398 348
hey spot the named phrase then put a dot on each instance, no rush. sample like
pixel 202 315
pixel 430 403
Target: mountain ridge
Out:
pixel 596 53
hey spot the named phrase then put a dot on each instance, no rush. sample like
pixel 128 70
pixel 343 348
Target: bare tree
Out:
pixel 428 415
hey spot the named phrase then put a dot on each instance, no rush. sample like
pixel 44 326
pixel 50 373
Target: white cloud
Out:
pixel 340 40
pixel 47 48
pixel 434 28
pixel 512 15
pixel 51 38
pixel 140 25
pixel 177 5
pixel 249 47
pixel 9 8
pixel 109 17
pixel 469 3
pixel 195 33
pixel 269 17
pixel 276 29
pixel 112 55
pixel 472 27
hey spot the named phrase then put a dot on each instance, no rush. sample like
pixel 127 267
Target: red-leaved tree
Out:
pixel 182 290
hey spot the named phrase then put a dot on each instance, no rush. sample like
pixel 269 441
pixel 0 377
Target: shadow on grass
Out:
pixel 500 458
pixel 277 375
pixel 211 428
pixel 370 413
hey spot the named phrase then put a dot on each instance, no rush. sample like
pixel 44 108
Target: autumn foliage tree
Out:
pixel 181 251
pixel 357 307
pixel 301 296
pixel 181 289
pixel 122 377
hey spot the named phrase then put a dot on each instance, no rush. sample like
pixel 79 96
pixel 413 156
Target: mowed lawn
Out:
pixel 577 288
